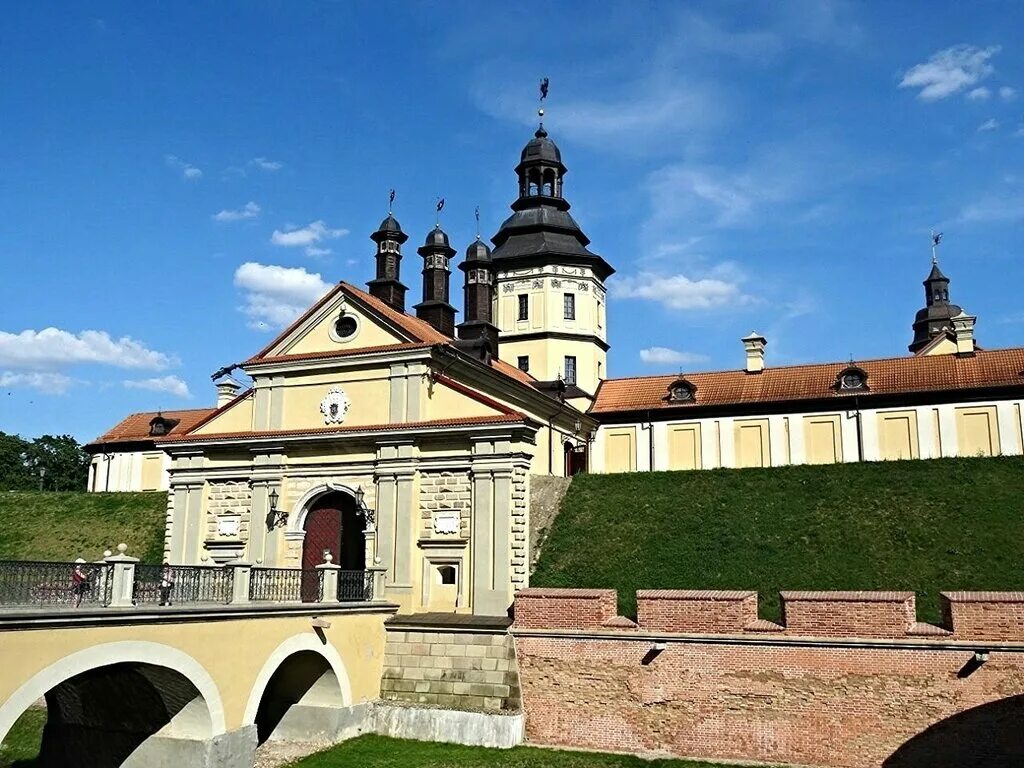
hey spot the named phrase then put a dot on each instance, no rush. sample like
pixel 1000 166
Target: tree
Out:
pixel 50 462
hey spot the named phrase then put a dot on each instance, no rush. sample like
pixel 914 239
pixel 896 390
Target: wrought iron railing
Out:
pixel 284 585
pixel 355 586
pixel 34 583
pixel 171 584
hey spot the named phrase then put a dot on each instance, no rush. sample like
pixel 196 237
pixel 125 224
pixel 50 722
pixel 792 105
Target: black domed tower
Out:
pixel 386 286
pixel 549 285
pixel 937 314
pixel 479 296
pixel 434 308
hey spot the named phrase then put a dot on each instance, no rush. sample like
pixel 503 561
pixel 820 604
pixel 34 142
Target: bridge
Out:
pixel 160 665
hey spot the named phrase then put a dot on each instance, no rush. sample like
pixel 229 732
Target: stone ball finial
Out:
pixel 107 553
pixel 122 548
pixel 328 557
pixel 79 560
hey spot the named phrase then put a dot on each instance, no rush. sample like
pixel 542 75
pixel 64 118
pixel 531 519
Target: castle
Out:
pixel 390 436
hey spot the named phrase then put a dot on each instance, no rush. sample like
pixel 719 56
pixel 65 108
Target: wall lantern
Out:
pixel 276 518
pixel 361 507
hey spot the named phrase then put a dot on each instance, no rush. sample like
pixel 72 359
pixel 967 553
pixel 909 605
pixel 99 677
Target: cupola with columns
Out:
pixel 435 308
pixel 387 286
pixel 479 296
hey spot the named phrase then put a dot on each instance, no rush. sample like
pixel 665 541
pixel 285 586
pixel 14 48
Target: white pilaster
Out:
pixel 778 448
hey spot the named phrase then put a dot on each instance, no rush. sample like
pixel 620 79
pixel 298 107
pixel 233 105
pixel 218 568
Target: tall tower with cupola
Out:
pixel 550 299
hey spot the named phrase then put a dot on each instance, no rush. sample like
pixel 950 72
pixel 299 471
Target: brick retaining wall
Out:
pixel 849 679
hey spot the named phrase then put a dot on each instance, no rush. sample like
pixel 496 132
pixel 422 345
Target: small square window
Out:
pixel 523 363
pixel 524 306
pixel 569 306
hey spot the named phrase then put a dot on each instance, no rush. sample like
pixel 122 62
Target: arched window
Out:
pixel 549 182
pixel 852 379
pixel 681 391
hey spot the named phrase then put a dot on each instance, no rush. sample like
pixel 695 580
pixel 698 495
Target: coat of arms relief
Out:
pixel 335 406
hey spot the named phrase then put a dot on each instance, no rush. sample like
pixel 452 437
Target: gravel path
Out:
pixel 273 754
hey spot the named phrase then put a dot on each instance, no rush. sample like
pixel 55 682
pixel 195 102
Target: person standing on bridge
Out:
pixel 79 582
pixel 166 583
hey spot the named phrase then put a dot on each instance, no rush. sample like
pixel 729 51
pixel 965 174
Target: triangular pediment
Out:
pixel 342 321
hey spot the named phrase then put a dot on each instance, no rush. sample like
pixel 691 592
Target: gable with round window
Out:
pixel 345 327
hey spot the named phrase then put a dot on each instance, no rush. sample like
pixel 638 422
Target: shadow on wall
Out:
pixel 989 736
pixel 98 718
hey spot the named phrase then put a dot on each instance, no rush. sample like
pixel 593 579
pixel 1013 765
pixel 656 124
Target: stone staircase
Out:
pixel 452 661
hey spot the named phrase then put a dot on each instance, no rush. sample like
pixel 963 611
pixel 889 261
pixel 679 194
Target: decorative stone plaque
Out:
pixel 446 523
pixel 335 406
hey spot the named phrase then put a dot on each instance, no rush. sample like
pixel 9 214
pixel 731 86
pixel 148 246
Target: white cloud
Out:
pixel 170 384
pixel 1006 93
pixel 950 71
pixel 275 295
pixel 49 383
pixel 666 356
pixel 308 237
pixel 52 347
pixel 681 292
pixel 994 209
pixel 264 164
pixel 248 211
pixel 979 94
pixel 989 125
pixel 188 171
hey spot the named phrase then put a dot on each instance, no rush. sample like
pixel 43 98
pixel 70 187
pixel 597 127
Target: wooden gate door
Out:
pixel 323 534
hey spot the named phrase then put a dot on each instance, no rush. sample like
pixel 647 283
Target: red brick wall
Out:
pixel 567 608
pixel 808 693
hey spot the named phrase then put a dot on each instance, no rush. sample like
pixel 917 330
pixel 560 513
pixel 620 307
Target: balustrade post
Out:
pixel 241 577
pixel 102 575
pixel 378 572
pixel 329 577
pixel 122 575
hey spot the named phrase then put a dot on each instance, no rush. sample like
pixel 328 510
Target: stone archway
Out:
pixel 301 692
pixel 125 704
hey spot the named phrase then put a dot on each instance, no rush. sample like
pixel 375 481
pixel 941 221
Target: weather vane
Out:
pixel 543 95
pixel 936 239
pixel 477 214
pixel 391 202
pixel 437 213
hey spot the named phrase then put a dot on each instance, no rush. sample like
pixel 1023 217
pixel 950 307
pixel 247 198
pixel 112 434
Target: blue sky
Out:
pixel 181 179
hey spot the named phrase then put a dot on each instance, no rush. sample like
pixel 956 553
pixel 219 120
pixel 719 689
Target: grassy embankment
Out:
pixel 926 526
pixel 64 526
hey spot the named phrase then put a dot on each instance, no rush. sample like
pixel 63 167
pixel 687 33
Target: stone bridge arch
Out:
pixel 302 692
pixel 121 704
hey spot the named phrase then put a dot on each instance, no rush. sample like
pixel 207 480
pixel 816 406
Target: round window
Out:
pixel 345 326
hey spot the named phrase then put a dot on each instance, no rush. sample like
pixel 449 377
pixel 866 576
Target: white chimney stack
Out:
pixel 963 329
pixel 754 345
pixel 227 391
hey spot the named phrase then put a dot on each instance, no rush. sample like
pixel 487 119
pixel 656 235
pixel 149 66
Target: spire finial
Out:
pixel 936 239
pixel 437 213
pixel 477 214
pixel 391 202
pixel 540 109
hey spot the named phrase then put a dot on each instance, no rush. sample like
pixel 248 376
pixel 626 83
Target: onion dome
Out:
pixel 436 238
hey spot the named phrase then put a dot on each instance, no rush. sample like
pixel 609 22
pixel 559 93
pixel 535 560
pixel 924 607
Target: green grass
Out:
pixel 22 742
pixel 63 526
pixel 926 526
pixel 379 752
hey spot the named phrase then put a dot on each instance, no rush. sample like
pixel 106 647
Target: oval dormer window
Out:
pixel 681 391
pixel 852 379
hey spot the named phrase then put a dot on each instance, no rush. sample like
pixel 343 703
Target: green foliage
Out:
pixel 63 526
pixel 55 463
pixel 926 526
pixel 379 752
pixel 21 745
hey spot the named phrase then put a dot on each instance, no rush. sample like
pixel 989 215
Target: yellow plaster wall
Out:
pixel 237 418
pixel 443 402
pixel 152 470
pixel 620 449
pixel 897 435
pixel 977 431
pixel 369 399
pixel 233 652
pixel 945 347
pixel 752 441
pixel 684 446
pixel 319 337
pixel 823 442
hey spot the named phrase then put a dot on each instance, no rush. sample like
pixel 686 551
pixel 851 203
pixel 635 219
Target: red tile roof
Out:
pixel 886 376
pixel 514 418
pixel 136 427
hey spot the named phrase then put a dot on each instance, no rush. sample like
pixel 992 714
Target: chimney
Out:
pixel 754 345
pixel 227 391
pixel 963 329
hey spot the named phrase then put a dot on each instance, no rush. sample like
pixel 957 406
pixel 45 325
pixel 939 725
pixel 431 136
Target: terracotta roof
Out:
pixel 514 418
pixel 329 354
pixel 136 427
pixel 886 376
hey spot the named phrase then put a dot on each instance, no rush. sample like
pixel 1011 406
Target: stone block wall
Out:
pixel 850 680
pixel 470 670
pixel 447 490
pixel 520 528
pixel 228 501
